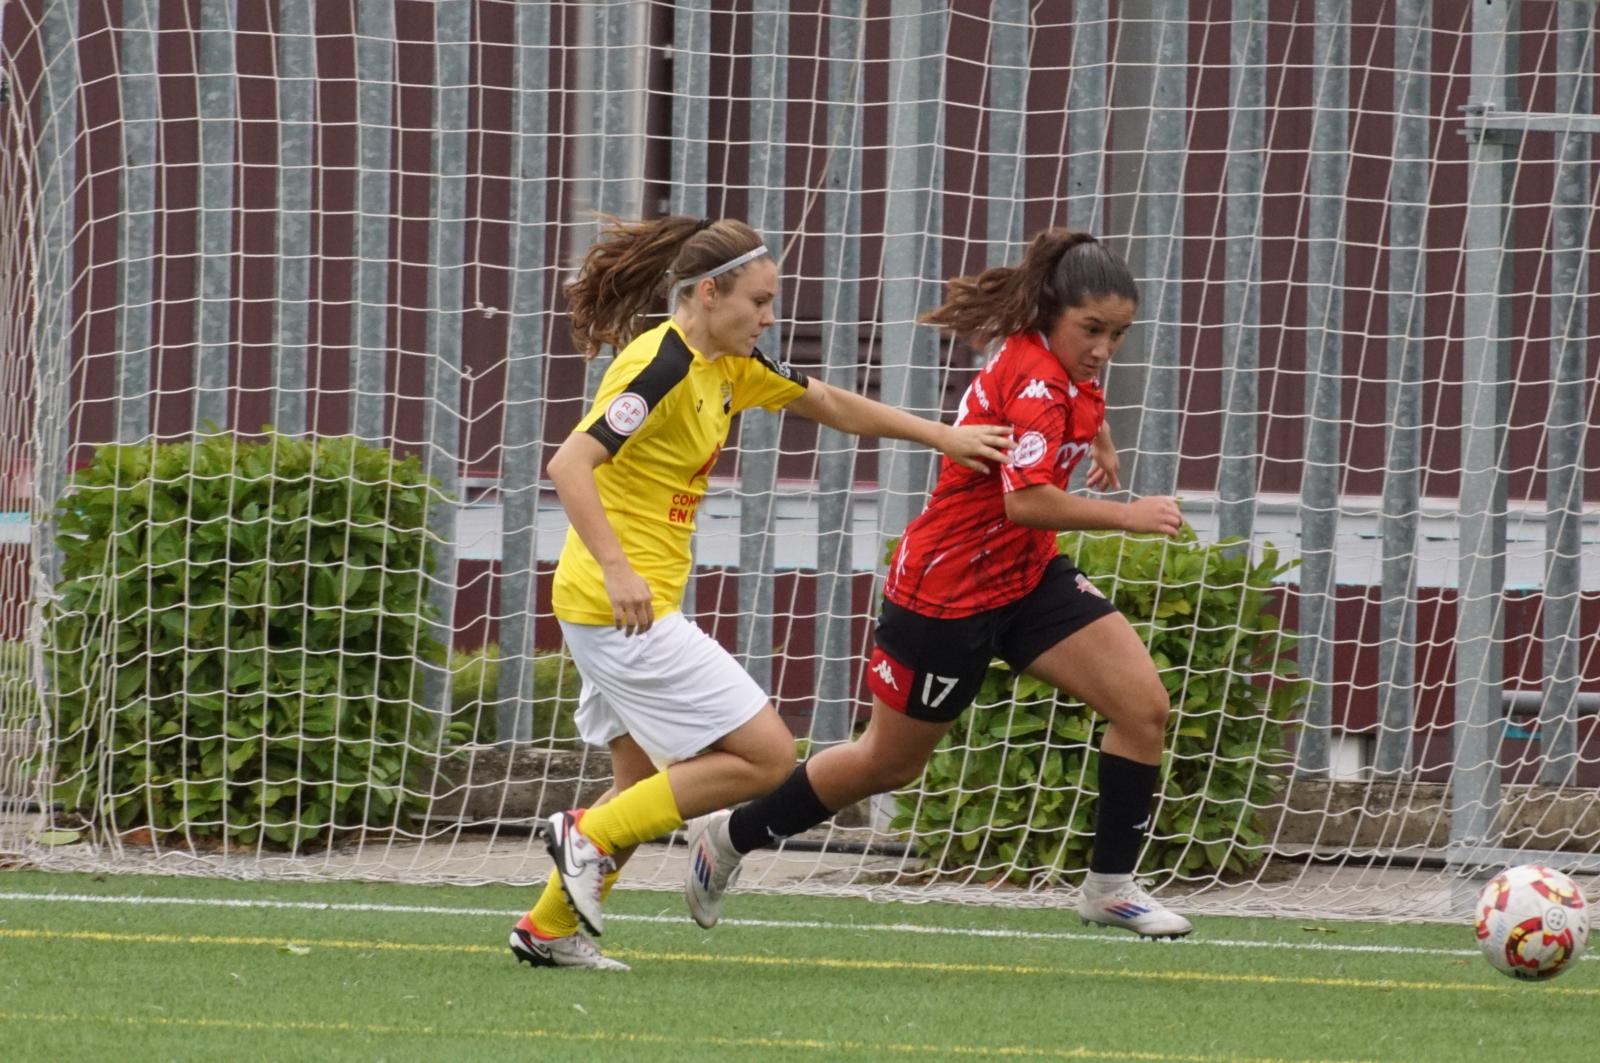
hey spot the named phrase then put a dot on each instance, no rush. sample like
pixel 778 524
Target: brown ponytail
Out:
pixel 1060 269
pixel 633 266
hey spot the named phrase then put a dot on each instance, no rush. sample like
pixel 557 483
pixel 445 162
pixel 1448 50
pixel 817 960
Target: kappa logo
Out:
pixel 626 413
pixel 1036 389
pixel 886 674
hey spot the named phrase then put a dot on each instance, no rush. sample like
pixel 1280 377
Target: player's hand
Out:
pixel 631 608
pixel 969 445
pixel 1104 465
pixel 1158 513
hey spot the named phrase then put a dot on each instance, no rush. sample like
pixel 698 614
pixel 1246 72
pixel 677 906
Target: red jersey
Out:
pixel 962 555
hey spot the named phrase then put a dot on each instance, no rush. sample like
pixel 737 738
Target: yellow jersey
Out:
pixel 663 413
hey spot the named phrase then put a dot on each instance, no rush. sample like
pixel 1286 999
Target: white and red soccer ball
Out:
pixel 1532 922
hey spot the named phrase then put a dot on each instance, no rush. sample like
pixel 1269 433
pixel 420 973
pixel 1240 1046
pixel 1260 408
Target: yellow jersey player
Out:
pixel 656 689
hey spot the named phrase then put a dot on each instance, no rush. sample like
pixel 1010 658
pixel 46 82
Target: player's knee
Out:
pixel 1148 716
pixel 772 764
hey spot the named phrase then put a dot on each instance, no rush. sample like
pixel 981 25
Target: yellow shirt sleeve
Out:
pixel 761 382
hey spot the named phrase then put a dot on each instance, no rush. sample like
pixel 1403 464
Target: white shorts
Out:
pixel 673 688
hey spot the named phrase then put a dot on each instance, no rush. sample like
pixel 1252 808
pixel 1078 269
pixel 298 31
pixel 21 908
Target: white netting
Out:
pixel 1364 339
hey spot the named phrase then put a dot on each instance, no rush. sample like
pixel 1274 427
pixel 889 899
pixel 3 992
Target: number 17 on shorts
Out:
pixel 921 695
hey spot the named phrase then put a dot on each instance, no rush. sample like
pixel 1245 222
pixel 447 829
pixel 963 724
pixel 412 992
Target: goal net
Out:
pixel 283 352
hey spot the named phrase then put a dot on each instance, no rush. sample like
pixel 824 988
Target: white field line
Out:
pixel 779 924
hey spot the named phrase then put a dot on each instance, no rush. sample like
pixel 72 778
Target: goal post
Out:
pixel 304 264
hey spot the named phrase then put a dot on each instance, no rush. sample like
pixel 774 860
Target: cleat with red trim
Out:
pixel 583 867
pixel 573 950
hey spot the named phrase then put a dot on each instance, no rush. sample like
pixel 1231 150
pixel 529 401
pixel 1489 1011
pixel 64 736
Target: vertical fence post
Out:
pixel 137 223
pixel 758 432
pixel 1475 777
pixel 1241 312
pixel 1087 116
pixel 1567 421
pixel 1402 495
pixel 910 270
pixel 522 452
pixel 296 84
pixel 691 132
pixel 443 411
pixel 841 347
pixel 1008 132
pixel 1327 173
pixel 55 272
pixel 218 87
pixel 1160 267
pixel 369 352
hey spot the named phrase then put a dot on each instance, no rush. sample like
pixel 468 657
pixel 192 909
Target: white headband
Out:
pixel 733 263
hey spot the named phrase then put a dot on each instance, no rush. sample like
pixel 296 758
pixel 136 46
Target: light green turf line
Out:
pixel 821 963
pixel 624 1037
pixel 1093 937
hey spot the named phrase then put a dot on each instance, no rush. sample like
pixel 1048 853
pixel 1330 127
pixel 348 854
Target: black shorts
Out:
pixel 930 669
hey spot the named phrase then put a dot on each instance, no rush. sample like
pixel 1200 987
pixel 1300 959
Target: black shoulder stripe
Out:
pixel 641 394
pixel 783 369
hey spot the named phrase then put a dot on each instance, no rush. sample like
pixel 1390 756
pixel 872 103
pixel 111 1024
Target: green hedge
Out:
pixel 475 687
pixel 1010 791
pixel 236 643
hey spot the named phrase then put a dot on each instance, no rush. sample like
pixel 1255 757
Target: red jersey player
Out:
pixel 977 576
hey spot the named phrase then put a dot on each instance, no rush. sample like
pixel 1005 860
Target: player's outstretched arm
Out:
pixel 973 446
pixel 1047 506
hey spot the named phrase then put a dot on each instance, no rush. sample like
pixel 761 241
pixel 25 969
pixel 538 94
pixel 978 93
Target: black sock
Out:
pixel 1126 787
pixel 790 809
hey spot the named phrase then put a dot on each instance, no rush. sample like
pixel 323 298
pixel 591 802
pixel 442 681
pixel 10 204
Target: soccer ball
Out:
pixel 1532 922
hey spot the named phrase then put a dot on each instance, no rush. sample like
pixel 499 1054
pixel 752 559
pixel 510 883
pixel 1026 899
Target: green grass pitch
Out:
pixel 137 968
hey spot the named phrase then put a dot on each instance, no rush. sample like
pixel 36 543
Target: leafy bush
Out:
pixel 236 644
pixel 475 686
pixel 1010 791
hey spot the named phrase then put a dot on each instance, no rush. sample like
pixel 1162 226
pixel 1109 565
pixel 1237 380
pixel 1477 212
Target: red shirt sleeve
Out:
pixel 1039 414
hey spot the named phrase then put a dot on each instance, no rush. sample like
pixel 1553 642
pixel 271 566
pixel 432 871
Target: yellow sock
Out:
pixel 552 916
pixel 643 811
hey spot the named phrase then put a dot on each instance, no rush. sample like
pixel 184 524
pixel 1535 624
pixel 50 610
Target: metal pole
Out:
pixel 1320 479
pixel 841 349
pixel 55 270
pixel 1008 105
pixel 296 85
pixel 1402 487
pixel 1087 116
pixel 369 354
pixel 1241 313
pixel 758 432
pixel 691 128
pixel 218 30
pixel 1566 423
pixel 526 360
pixel 910 271
pixel 1475 780
pixel 140 115
pixel 441 438
pixel 1160 267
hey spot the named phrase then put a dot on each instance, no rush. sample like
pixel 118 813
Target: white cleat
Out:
pixel 580 863
pixel 574 950
pixel 713 867
pixel 1124 904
